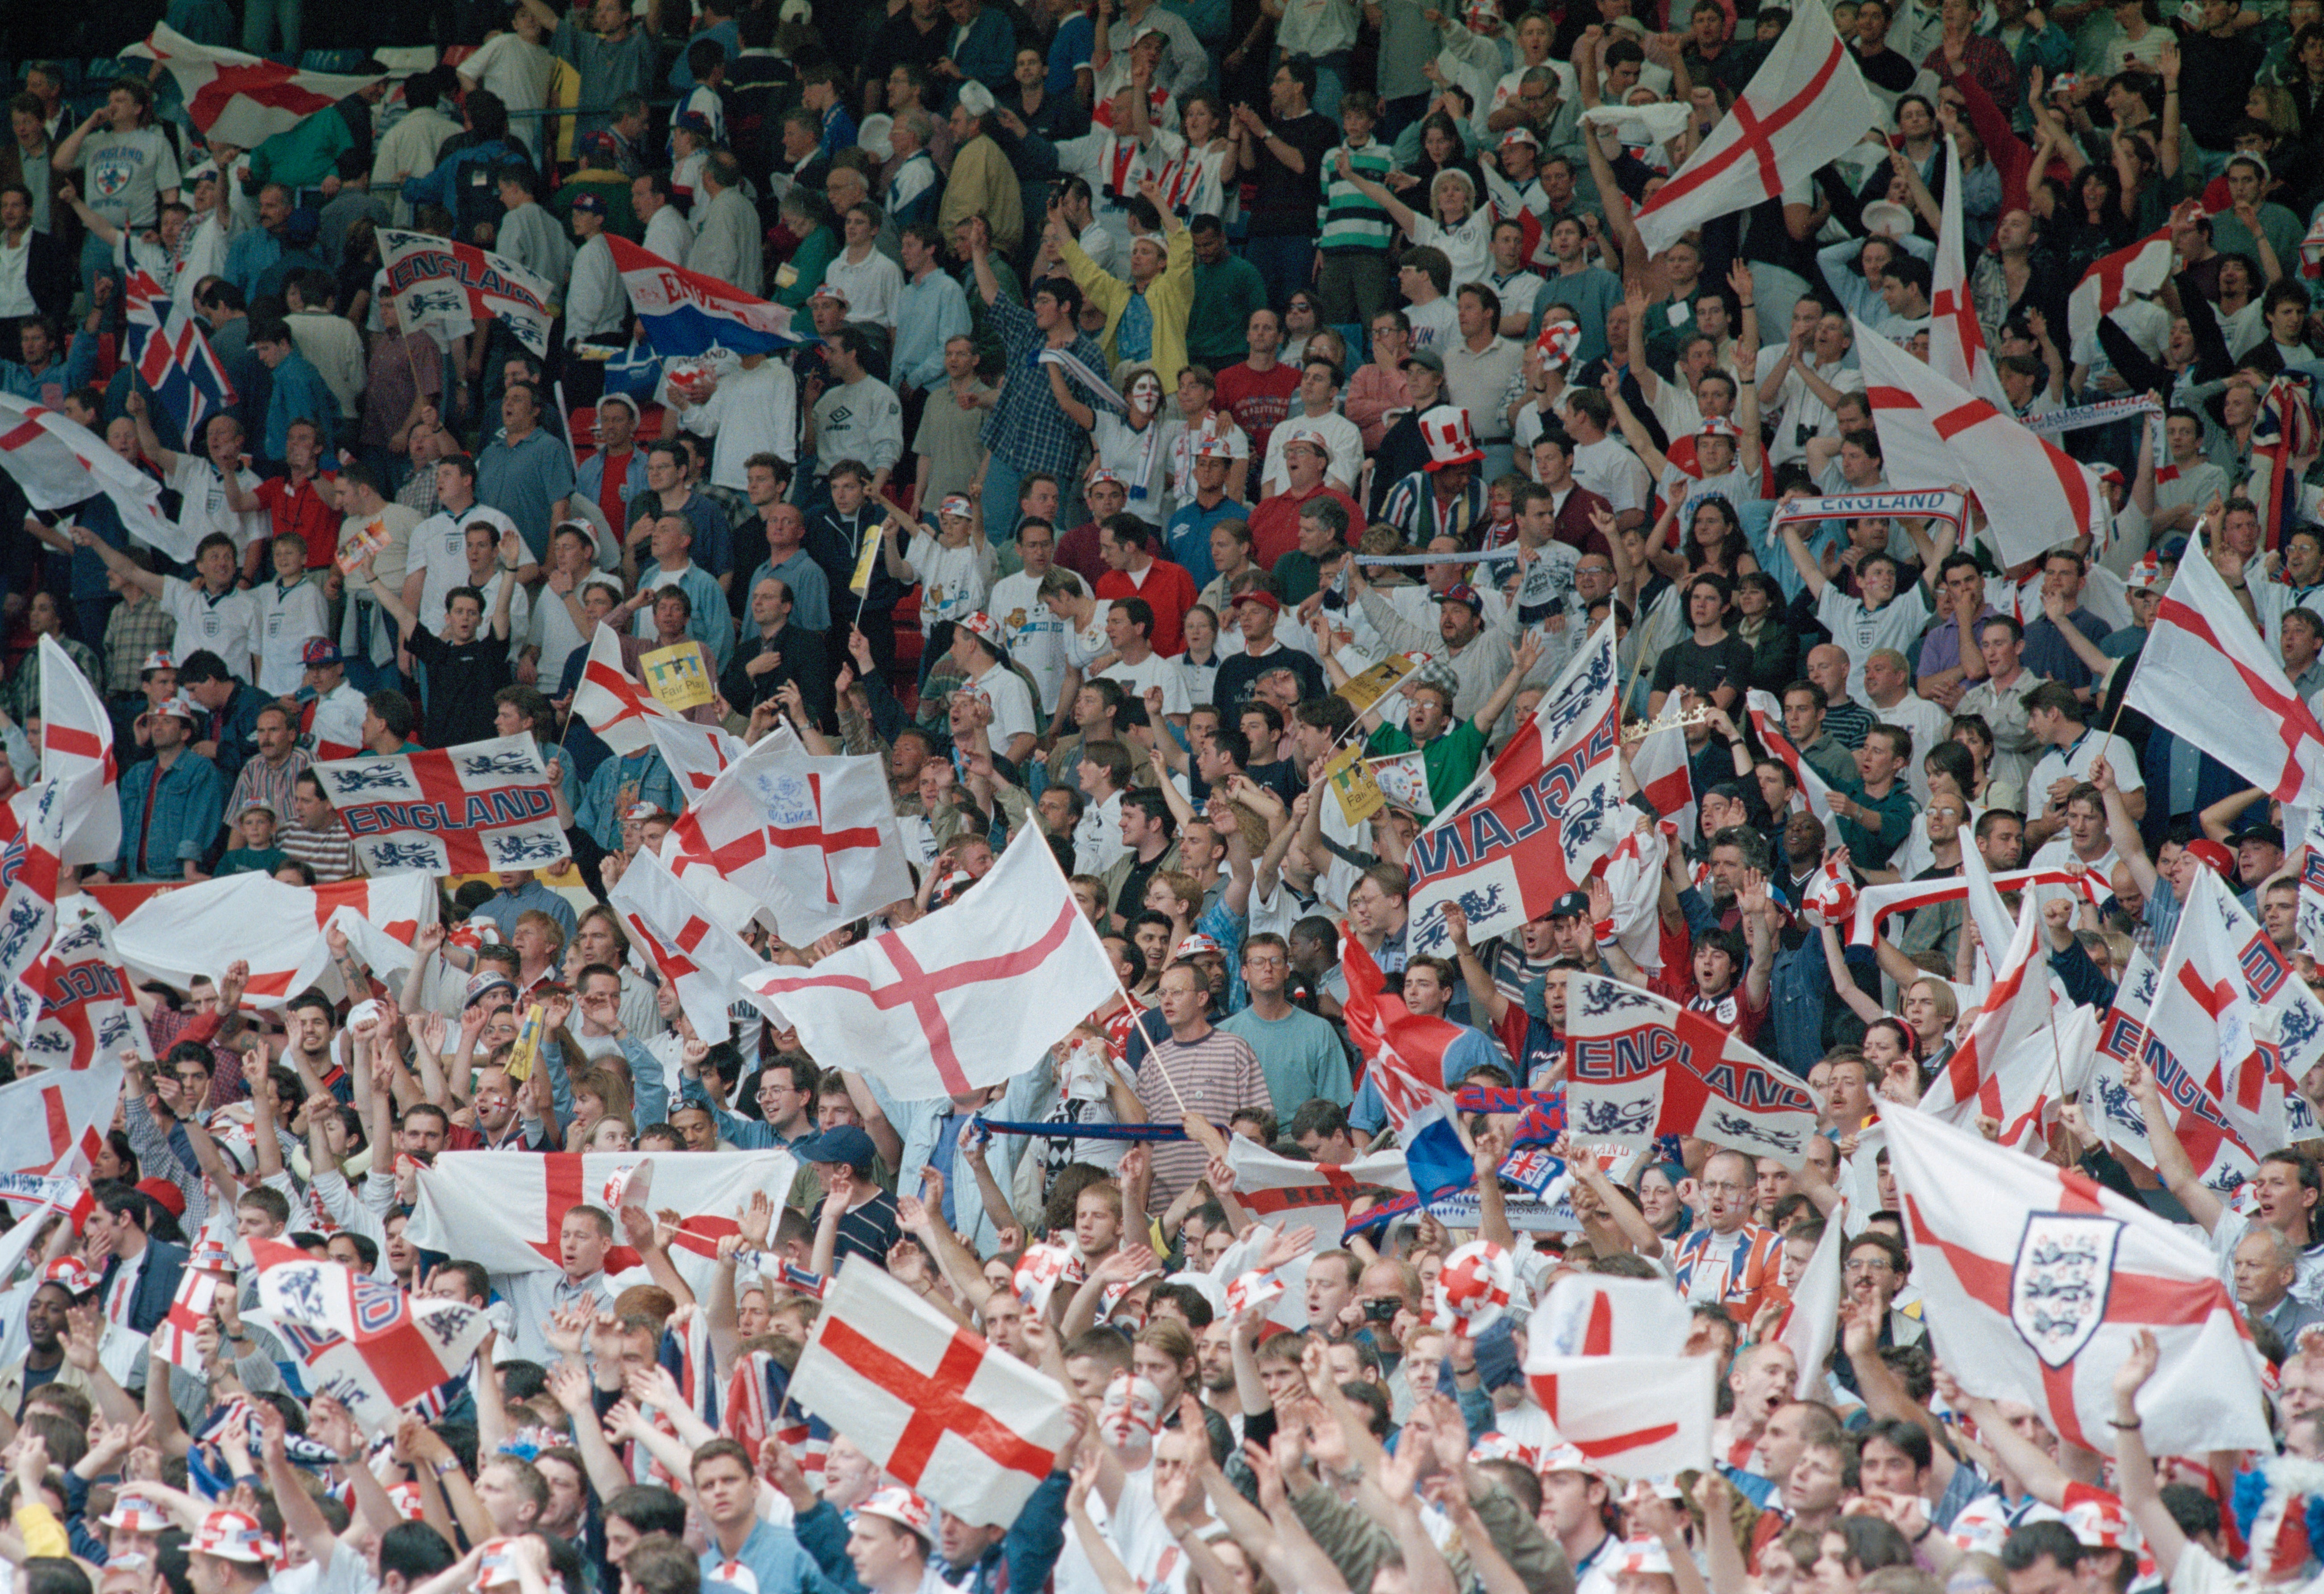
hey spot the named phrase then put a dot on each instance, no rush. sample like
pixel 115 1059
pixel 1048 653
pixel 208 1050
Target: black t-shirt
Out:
pixel 462 677
pixel 1891 71
pixel 1240 672
pixel 1286 199
pixel 1688 663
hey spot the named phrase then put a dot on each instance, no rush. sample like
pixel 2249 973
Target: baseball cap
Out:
pixel 2263 831
pixel 1214 449
pixel 983 628
pixel 2212 855
pixel 1103 475
pixel 594 204
pixel 1260 596
pixel 1567 1458
pixel 843 1143
pixel 1461 591
pixel 830 292
pixel 1573 905
pixel 598 149
pixel 320 653
pixel 481 986
pixel 1717 426
pixel 232 1535
pixel 1428 357
pixel 1519 135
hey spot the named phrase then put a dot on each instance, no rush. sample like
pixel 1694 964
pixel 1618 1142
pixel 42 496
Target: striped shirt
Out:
pixel 1218 1076
pixel 330 854
pixel 1352 219
pixel 1736 1270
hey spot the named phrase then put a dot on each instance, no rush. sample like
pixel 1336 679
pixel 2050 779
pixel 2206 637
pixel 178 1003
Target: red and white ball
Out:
pixel 1475 1287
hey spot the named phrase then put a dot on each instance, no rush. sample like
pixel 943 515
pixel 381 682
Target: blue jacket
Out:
pixel 188 809
pixel 777 1560
pixel 165 1264
pixel 299 393
pixel 749 1133
pixel 78 370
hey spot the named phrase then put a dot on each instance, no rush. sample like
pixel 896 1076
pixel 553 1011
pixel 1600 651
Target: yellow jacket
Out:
pixel 1169 299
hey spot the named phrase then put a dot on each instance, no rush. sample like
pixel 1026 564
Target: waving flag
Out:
pixel 2131 1029
pixel 362 1339
pixel 1403 1052
pixel 2283 432
pixel 967 997
pixel 1957 350
pixel 1285 1190
pixel 242 99
pixel 1635 1416
pixel 1803 108
pixel 1875 905
pixel 1811 1323
pixel 53 1121
pixel 1658 762
pixel 2025 1052
pixel 697 754
pixel 502 1208
pixel 687 313
pixel 278 929
pixel 2135 268
pixel 613 705
pixel 164 344
pixel 932 1405
pixel 811 837
pixel 1530 828
pixel 2037 1279
pixel 1638 1066
pixel 176 1339
pixel 1595 1314
pixel 1767 724
pixel 88 1013
pixel 76 750
pixel 440 284
pixel 1935 430
pixel 2206 675
pixel 2249 1027
pixel 705 961
pixel 28 910
pixel 480 807
pixel 59 462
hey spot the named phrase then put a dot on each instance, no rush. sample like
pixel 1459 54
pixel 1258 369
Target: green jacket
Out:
pixel 306 154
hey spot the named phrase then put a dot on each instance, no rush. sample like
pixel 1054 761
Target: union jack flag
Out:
pixel 2283 430
pixel 171 355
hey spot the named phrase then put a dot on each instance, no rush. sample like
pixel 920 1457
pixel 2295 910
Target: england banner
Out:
pixel 613 705
pixel 89 1014
pixel 59 462
pixel 362 1339
pixel 1804 107
pixel 2037 1279
pixel 1317 1194
pixel 438 284
pixel 76 751
pixel 1638 1067
pixel 2035 497
pixel 813 838
pixel 2025 1052
pixel 29 870
pixel 970 996
pixel 470 809
pixel 2206 675
pixel 502 1209
pixel 279 930
pixel 2132 1027
pixel 1635 1417
pixel 1928 503
pixel 932 1405
pixel 1530 827
pixel 240 99
pixel 2311 888
pixel 705 961
pixel 687 313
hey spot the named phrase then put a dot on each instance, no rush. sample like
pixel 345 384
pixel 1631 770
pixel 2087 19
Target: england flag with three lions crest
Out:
pixel 470 809
pixel 1638 1066
pixel 2038 1280
pixel 1529 828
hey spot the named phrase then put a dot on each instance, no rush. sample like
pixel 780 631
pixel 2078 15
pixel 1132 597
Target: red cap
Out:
pixel 166 1195
pixel 2212 855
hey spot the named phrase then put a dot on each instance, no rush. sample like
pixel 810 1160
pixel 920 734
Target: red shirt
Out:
pixel 303 510
pixel 1258 399
pixel 1168 589
pixel 1274 523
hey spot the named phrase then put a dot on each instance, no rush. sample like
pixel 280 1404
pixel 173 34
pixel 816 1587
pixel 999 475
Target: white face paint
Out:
pixel 1147 392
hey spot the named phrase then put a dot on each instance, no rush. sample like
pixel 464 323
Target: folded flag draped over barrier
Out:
pixel 240 99
pixel 2037 1279
pixel 439 284
pixel 470 809
pixel 687 313
pixel 278 929
pixel 967 997
pixel 932 1403
pixel 1529 828
pixel 59 463
pixel 361 1339
pixel 1638 1066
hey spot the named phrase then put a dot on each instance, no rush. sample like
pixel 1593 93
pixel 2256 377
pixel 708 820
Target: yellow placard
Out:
pixel 1359 794
pixel 677 677
pixel 860 583
pixel 1362 691
pixel 528 1044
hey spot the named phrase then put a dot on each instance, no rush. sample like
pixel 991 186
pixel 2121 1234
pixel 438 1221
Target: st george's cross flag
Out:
pixel 707 961
pixel 1767 723
pixel 502 1209
pixel 59 462
pixel 1317 1194
pixel 612 702
pixel 1934 430
pixel 241 99
pixel 2207 675
pixel 1532 824
pixel 1811 1321
pixel 1804 107
pixel 1659 762
pixel 53 1121
pixel 77 750
pixel 697 754
pixel 687 313
pixel 970 996
pixel 2138 267
pixel 2025 1051
pixel 35 820
pixel 811 837
pixel 472 809
pixel 1635 1417
pixel 1403 1052
pixel 361 1339
pixel 440 283
pixel 1639 1066
pixel 278 928
pixel 1597 1314
pixel 1957 350
pixel 932 1405
pixel 2037 1280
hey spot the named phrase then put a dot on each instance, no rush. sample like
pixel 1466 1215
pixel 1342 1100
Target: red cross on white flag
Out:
pixel 278 929
pixel 243 99
pixel 1317 1194
pixel 480 807
pixel 55 1121
pixel 1634 1415
pixel 77 748
pixel 1957 350
pixel 706 960
pixel 2037 1279
pixel 59 462
pixel 1935 431
pixel 1804 107
pixel 610 702
pixel 970 996
pixel 2134 268
pixel 932 1405
pixel 2020 1047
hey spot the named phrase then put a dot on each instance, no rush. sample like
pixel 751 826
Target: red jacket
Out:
pixel 1168 589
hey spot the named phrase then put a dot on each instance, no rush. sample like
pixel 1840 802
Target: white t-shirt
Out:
pixel 1607 468
pixel 1217 424
pixel 1034 638
pixel 1435 324
pixel 518 71
pixel 1012 707
pixel 951 580
pixel 439 546
pixel 2074 761
pixel 1347 443
pixel 225 626
pixel 197 482
pixel 1862 632
pixel 286 621
pixel 1155 670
